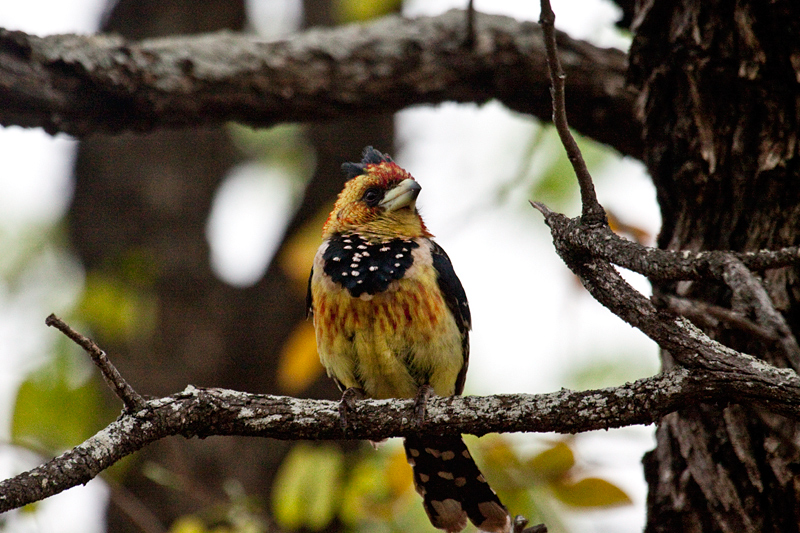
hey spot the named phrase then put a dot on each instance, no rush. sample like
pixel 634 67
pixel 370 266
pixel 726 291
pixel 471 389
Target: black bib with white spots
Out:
pixel 363 267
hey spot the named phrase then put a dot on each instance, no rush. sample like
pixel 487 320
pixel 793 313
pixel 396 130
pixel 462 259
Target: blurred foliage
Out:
pixel 285 145
pixel 553 179
pixel 298 252
pixel 375 493
pixel 543 173
pixel 610 370
pixel 239 514
pixel 298 363
pixel 60 404
pixel 363 10
pixel 117 308
pixel 307 489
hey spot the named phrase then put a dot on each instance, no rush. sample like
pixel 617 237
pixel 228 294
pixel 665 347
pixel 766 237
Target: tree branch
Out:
pixel 202 413
pixel 130 398
pixel 593 212
pixel 589 252
pixel 654 263
pixel 86 84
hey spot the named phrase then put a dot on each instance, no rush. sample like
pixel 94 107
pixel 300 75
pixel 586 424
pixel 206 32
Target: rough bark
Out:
pixel 719 94
pixel 80 85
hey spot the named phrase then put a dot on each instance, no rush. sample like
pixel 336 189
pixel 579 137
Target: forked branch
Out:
pixel 589 247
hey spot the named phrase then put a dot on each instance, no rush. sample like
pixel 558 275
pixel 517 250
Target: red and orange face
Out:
pixel 379 204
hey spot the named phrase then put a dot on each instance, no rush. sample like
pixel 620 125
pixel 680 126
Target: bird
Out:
pixel 392 320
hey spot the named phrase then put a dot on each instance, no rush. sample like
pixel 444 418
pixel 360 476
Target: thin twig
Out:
pixel 592 212
pixel 469 40
pixel 132 400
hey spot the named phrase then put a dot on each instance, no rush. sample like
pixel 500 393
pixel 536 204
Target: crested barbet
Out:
pixel 392 321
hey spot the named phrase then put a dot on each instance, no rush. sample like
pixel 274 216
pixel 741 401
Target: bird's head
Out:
pixel 378 201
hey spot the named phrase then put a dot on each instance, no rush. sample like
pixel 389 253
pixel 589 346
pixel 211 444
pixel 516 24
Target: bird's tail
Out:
pixel 452 487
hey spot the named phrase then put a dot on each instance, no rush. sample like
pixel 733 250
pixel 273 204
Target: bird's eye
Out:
pixel 372 196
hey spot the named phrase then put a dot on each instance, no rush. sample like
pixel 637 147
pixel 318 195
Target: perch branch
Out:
pixel 196 412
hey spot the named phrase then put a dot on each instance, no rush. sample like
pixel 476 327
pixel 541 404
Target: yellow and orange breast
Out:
pixel 391 342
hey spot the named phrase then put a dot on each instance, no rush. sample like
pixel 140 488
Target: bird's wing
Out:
pixel 456 300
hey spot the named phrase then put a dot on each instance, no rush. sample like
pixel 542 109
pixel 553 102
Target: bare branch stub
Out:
pixel 130 398
pixel 592 212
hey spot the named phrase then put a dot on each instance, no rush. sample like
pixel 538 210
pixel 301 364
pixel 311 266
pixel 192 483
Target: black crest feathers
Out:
pixel 370 156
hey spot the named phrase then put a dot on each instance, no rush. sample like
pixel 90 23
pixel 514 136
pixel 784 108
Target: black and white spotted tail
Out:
pixel 452 487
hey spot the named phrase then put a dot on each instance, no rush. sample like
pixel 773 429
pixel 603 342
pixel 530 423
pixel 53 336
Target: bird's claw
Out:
pixel 519 523
pixel 421 403
pixel 348 404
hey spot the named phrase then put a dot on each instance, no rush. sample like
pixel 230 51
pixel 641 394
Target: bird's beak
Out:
pixel 403 195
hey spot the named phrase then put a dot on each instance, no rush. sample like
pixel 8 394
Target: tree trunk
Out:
pixel 720 95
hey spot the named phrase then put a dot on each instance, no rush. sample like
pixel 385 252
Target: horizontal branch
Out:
pixel 206 412
pixel 654 263
pixel 85 84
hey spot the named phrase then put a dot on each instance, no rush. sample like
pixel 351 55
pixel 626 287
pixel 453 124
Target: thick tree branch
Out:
pixel 202 413
pixel 85 84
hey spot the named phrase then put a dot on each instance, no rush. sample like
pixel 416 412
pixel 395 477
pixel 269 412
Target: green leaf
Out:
pixel 590 492
pixel 363 10
pixel 557 186
pixel 552 463
pixel 188 524
pixel 306 489
pixel 610 371
pixel 58 406
pixel 376 482
pixel 285 146
pixel 117 309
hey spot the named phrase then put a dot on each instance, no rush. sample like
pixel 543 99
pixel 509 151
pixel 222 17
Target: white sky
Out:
pixel 532 324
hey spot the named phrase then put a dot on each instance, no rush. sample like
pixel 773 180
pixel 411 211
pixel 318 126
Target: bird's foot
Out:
pixel 421 403
pixel 348 404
